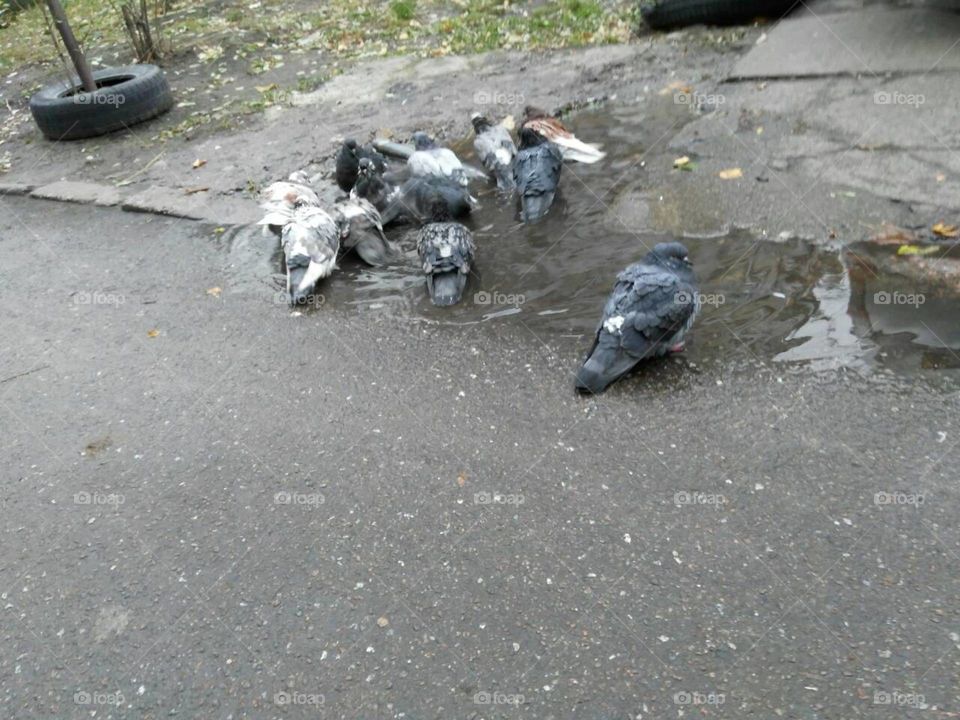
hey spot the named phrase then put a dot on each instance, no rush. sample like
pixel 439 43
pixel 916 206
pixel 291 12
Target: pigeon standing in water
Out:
pixel 311 241
pixel 495 149
pixel 650 310
pixel 429 159
pixel 361 230
pixel 372 186
pixel 552 129
pixel 536 171
pixel 446 250
pixel 348 162
pixel 280 199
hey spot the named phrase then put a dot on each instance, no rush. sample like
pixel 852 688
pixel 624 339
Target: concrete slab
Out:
pixel 869 41
pixel 198 206
pixel 79 192
pixel 15 188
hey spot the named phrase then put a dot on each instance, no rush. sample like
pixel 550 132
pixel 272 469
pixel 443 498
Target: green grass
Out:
pixel 403 10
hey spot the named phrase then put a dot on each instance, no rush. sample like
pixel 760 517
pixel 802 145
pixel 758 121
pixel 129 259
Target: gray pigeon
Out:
pixel 311 241
pixel 536 171
pixel 361 230
pixel 429 159
pixel 496 150
pixel 652 306
pixel 446 250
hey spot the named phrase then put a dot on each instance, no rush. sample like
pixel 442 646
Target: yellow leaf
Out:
pixel 944 230
pixel 676 85
pixel 462 479
pixel 215 291
pixel 198 163
pixel 152 333
pixel 731 174
pixel 266 88
pixel 681 161
pixel 917 250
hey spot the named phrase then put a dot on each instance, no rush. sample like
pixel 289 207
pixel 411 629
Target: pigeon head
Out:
pixel 531 112
pixel 439 210
pixel 671 255
pixel 422 141
pixel 367 168
pixel 530 138
pixel 351 145
pixel 480 123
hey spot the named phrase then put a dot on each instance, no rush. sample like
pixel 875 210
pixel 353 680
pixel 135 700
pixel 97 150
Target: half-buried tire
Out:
pixel 666 14
pixel 124 97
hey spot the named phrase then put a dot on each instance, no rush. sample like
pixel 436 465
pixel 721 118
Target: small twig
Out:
pixel 142 170
pixel 24 373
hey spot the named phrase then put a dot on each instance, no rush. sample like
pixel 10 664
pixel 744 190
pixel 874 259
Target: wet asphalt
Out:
pixel 215 509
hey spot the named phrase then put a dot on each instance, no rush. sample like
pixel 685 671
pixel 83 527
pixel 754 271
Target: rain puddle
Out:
pixel 790 303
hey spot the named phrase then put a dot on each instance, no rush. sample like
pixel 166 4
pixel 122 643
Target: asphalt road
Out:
pixel 213 509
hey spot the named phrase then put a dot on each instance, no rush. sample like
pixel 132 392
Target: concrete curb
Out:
pixel 15 188
pixel 156 200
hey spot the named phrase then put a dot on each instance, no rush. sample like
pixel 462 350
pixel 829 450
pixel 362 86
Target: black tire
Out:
pixel 124 97
pixel 666 14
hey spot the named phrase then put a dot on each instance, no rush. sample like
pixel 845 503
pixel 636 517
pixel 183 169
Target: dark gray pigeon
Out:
pixel 361 230
pixel 652 306
pixel 496 150
pixel 536 171
pixel 446 250
pixel 348 162
pixel 417 198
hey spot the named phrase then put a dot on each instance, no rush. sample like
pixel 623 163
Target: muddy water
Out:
pixel 792 303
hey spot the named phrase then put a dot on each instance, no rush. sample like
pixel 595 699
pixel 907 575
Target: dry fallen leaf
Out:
pixel 676 85
pixel 944 230
pixel 731 174
pixel 215 291
pixel 382 622
pixel 152 333
pixel 462 479
pixel 681 162
pixel 888 234
pixel 941 177
pixel 265 88
pixel 195 190
pixel 198 163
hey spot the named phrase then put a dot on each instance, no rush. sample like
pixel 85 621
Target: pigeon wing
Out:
pixel 650 310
